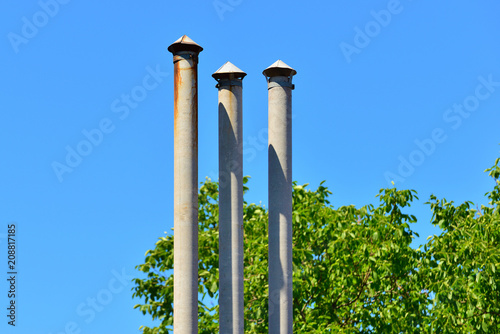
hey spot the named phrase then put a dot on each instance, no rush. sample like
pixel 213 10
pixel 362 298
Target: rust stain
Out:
pixel 177 83
pixel 191 71
pixel 195 105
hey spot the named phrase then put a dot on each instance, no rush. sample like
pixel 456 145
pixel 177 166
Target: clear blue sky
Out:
pixel 386 90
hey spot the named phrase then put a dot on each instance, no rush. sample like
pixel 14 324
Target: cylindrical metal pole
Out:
pixel 229 79
pixel 279 77
pixel 185 53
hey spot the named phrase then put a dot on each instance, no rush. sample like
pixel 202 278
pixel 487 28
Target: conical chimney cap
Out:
pixel 226 70
pixel 184 44
pixel 279 68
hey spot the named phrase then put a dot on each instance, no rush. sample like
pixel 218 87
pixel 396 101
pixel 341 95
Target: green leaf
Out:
pixel 354 269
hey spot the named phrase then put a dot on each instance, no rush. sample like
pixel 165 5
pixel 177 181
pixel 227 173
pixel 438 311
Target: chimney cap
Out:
pixel 279 68
pixel 184 44
pixel 228 69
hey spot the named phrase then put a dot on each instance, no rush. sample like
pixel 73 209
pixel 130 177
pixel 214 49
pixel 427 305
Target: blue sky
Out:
pixel 386 90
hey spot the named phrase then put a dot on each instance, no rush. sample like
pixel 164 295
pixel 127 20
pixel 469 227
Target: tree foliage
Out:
pixel 354 268
pixel 460 266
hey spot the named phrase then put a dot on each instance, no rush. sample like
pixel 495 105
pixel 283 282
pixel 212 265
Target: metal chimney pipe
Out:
pixel 185 53
pixel 279 78
pixel 231 318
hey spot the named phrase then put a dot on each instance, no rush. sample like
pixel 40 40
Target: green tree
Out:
pixel 354 269
pixel 460 266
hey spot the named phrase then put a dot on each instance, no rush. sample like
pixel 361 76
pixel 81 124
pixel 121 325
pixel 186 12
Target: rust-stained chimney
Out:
pixel 185 53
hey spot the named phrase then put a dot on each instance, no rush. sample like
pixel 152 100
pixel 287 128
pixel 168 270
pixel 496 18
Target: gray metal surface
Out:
pixel 185 53
pixel 279 77
pixel 231 317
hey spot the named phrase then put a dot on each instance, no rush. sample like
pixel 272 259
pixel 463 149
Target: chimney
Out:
pixel 185 53
pixel 229 82
pixel 279 80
